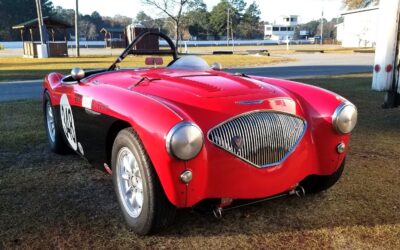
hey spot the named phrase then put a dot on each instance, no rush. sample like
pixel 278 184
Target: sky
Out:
pixel 271 10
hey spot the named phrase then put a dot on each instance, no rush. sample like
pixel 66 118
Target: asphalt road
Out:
pixel 304 71
pixel 307 65
pixel 12 91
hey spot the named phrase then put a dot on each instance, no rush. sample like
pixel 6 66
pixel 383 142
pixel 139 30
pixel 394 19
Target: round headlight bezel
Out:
pixel 336 116
pixel 173 132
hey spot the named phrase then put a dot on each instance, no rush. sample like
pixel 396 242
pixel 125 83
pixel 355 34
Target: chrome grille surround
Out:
pixel 262 138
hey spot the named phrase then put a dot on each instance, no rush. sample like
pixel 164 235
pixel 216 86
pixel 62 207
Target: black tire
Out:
pixel 156 211
pixel 57 142
pixel 317 183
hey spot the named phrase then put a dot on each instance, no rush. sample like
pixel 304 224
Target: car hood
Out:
pixel 214 95
pixel 202 84
pixel 205 93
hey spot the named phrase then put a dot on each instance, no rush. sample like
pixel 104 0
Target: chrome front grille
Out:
pixel 260 138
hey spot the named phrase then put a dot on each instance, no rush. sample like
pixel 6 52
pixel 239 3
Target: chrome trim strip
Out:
pixel 275 148
pixel 68 82
pixel 91 112
pixel 249 102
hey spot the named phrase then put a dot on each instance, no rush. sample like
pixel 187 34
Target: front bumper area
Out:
pixel 219 174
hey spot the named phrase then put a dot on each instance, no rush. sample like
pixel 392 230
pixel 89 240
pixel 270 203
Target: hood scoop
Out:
pixel 202 84
pixel 216 83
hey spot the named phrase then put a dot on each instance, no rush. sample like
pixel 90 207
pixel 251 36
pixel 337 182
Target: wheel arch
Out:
pixel 164 169
pixel 112 133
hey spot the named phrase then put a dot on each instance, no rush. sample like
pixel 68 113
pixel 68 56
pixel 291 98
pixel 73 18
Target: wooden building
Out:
pixel 148 43
pixel 55 28
pixel 121 37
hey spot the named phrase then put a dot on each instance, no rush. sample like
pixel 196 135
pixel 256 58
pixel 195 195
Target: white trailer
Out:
pixel 387 57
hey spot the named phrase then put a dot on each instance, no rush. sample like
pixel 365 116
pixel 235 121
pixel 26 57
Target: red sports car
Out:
pixel 189 134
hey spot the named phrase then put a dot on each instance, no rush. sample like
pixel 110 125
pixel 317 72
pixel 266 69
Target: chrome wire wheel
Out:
pixel 130 182
pixel 50 122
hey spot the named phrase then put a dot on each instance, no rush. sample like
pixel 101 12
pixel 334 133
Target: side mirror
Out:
pixel 77 74
pixel 216 66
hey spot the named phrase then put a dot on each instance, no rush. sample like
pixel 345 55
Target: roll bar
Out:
pixel 130 50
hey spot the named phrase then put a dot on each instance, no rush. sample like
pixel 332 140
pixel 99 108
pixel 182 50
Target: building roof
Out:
pixel 113 30
pixel 49 21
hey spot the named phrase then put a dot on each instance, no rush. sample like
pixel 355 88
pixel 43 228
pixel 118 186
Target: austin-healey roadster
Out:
pixel 189 133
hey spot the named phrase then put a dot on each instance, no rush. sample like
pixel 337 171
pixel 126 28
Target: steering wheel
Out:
pixel 129 50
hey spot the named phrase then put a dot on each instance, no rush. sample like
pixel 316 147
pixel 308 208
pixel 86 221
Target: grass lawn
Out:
pixel 52 201
pixel 12 68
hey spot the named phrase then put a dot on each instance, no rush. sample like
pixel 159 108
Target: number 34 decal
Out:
pixel 67 120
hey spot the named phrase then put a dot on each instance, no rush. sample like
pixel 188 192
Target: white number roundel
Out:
pixel 67 121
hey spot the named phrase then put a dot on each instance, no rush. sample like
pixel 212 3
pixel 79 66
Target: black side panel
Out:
pixel 91 130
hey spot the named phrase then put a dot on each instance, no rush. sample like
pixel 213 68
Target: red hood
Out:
pixel 201 84
pixel 197 93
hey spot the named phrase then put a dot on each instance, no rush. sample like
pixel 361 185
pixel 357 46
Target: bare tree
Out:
pixel 355 4
pixel 92 31
pixel 174 9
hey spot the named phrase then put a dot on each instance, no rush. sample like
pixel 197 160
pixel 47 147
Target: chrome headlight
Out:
pixel 345 118
pixel 184 141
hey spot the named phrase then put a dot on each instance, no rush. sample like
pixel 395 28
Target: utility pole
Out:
pixel 227 27
pixel 322 27
pixel 76 29
pixel 42 51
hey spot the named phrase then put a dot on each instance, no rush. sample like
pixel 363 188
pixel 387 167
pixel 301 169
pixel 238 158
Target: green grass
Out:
pixel 52 201
pixel 1 46
pixel 21 124
pixel 13 68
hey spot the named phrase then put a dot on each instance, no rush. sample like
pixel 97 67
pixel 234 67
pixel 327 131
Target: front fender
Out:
pixel 318 107
pixel 152 120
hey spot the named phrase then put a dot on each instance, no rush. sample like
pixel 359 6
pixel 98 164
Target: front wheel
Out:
pixel 143 202
pixel 318 183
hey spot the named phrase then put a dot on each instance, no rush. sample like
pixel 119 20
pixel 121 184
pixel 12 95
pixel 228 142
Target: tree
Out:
pixel 92 33
pixel 239 5
pixel 250 26
pixel 355 4
pixel 145 20
pixel 218 17
pixel 97 19
pixel 174 9
pixel 18 11
pixel 197 21
pixel 311 27
pixel 122 21
pixel 67 15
